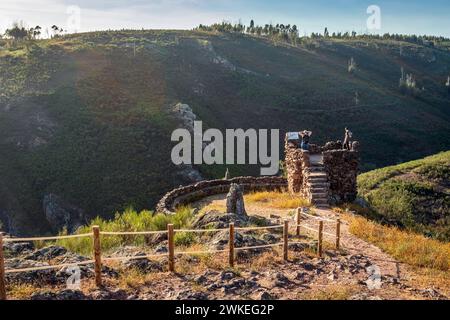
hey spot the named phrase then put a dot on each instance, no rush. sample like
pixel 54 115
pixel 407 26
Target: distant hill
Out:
pixel 415 195
pixel 87 117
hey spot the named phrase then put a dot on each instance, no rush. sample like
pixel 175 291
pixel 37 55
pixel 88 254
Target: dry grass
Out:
pixel 431 278
pixel 22 291
pixel 265 260
pixel 215 206
pixel 204 261
pixel 134 279
pixel 277 200
pixel 267 199
pixel 333 292
pixel 408 247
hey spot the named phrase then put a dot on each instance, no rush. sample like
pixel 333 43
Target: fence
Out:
pixel 170 232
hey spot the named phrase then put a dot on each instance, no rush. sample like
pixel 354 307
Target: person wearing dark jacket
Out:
pixel 305 139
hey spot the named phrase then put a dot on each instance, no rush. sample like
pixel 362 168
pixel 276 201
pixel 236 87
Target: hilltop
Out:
pixel 86 119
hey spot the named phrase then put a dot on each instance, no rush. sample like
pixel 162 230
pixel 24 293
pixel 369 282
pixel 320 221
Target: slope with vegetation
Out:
pixel 88 116
pixel 413 195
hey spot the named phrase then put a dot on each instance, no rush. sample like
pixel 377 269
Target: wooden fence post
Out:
pixel 2 271
pixel 338 234
pixel 319 245
pixel 285 239
pixel 299 220
pixel 170 237
pixel 97 256
pixel 231 245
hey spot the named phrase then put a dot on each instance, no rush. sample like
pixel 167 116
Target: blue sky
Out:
pixel 407 17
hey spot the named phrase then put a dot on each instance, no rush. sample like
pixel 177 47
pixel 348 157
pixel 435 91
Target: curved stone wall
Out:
pixel 188 194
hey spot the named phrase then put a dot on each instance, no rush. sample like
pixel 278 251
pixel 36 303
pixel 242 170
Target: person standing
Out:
pixel 347 137
pixel 305 139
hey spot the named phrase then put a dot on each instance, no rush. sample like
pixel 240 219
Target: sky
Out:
pixel 430 17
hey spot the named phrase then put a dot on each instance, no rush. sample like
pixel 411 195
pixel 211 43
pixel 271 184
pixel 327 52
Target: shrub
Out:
pixel 184 239
pixel 129 221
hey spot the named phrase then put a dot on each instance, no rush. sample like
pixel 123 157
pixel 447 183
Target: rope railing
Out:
pixel 309 229
pixel 318 218
pixel 50 267
pixel 259 247
pixel 200 252
pixel 98 259
pixel 259 228
pixel 200 230
pixel 131 233
pixel 320 231
pixel 47 238
pixel 131 258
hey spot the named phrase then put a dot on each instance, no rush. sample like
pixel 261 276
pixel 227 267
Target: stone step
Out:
pixel 321 203
pixel 324 197
pixel 317 165
pixel 318 174
pixel 315 190
pixel 317 184
pixel 318 177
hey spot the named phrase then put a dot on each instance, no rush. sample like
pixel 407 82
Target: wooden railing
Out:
pixel 98 260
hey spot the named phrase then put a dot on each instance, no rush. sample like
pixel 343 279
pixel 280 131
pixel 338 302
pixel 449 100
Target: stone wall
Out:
pixel 342 170
pixel 297 162
pixel 341 167
pixel 198 191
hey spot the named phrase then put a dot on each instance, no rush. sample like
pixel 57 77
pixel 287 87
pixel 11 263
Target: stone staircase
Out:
pixel 318 182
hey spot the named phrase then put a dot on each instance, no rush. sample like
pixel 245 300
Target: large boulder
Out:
pixel 219 220
pixel 47 253
pixel 235 200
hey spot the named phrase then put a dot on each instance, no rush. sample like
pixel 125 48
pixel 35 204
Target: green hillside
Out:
pixel 87 117
pixel 414 195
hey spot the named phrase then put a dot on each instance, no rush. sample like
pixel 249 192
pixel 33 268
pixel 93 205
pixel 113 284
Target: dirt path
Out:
pixel 354 245
pixel 399 276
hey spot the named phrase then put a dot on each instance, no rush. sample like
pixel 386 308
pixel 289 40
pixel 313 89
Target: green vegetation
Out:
pixel 290 34
pixel 130 221
pixel 414 195
pixel 87 116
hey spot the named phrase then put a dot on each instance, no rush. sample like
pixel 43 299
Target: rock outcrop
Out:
pixel 187 117
pixel 235 200
pixel 62 215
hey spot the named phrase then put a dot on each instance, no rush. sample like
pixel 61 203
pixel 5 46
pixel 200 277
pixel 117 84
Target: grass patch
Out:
pixel 335 292
pixel 129 221
pixel 22 291
pixel 215 206
pixel 408 247
pixel 277 200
